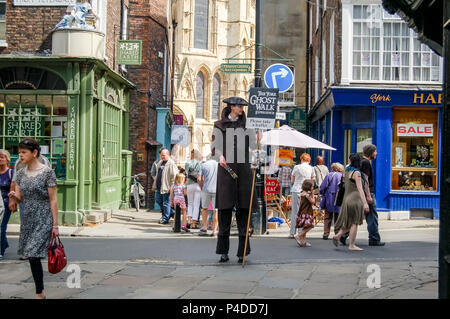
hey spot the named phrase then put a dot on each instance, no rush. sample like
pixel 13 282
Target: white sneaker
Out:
pixel 1 257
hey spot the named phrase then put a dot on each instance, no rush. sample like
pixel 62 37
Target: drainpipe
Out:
pixel 307 58
pixel 174 26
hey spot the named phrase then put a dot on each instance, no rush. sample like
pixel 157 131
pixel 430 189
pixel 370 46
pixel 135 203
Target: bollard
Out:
pixel 177 226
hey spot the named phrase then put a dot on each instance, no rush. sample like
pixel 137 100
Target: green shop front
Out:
pixel 77 108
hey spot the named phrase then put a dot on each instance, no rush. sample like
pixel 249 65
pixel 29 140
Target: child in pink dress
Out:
pixel 177 193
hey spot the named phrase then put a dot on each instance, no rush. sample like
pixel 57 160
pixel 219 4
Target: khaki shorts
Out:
pixel 206 198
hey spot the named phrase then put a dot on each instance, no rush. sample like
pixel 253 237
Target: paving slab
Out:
pixel 128 281
pixel 230 286
pixel 51 293
pixel 153 293
pixel 178 282
pixel 201 294
pixel 10 290
pixel 276 293
pixel 278 282
pixel 330 289
pixel 104 292
pixel 146 270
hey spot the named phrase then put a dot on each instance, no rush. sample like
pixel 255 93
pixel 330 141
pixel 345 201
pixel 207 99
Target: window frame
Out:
pixel 382 19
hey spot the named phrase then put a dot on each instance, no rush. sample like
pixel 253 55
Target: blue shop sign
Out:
pixel 388 98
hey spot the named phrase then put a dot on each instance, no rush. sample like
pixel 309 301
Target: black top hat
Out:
pixel 235 100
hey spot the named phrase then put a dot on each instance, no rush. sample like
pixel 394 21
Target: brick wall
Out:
pixel 323 33
pixel 28 28
pixel 147 21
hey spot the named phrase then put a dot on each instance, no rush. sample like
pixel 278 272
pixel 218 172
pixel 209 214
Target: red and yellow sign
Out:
pixel 272 187
pixel 284 157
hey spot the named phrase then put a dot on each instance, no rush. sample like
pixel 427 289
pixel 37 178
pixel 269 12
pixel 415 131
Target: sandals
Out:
pixel 305 244
pixel 335 241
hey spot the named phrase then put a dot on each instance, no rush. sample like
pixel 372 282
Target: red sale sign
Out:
pixel 414 129
pixel 272 187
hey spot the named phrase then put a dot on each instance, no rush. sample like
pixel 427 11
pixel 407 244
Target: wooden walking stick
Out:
pixel 249 215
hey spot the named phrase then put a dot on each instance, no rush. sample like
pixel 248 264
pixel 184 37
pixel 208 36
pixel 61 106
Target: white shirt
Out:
pixel 301 173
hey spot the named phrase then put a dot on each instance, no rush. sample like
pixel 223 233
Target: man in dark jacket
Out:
pixel 232 192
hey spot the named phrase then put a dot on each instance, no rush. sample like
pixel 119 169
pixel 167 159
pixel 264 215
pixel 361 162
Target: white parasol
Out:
pixel 287 136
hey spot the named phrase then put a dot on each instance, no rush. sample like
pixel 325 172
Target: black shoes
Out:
pixel 224 258
pixel 376 243
pixel 342 240
pixel 325 237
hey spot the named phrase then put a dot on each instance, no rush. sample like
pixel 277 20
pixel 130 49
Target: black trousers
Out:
pixel 223 238
pixel 38 273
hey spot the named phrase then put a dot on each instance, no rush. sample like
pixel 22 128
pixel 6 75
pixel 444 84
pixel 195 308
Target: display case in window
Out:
pixel 415 149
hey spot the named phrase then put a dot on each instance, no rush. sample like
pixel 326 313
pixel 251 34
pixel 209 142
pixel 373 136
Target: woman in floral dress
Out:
pixel 35 188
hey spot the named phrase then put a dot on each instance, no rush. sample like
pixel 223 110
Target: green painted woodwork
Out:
pixel 97 134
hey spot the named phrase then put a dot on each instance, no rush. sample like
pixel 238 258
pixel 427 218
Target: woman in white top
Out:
pixel 300 173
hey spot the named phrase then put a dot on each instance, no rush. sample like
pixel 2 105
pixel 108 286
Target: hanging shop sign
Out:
pixel 297 120
pixel 272 187
pixel 285 157
pixel 414 129
pixel 262 108
pixel 129 52
pixel 235 68
pixel 49 3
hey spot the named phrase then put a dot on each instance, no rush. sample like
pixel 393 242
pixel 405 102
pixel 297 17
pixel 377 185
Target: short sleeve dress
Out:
pixel 352 209
pixel 37 220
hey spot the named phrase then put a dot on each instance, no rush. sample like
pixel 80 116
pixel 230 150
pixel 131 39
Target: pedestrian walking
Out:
pixel 305 216
pixel 328 191
pixel 166 172
pixel 232 192
pixel 300 173
pixel 284 178
pixel 194 192
pixel 6 176
pixel 354 203
pixel 320 171
pixel 208 179
pixel 370 154
pixel 35 188
pixel 177 193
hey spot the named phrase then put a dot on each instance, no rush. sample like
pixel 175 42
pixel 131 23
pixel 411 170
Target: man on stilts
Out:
pixel 233 192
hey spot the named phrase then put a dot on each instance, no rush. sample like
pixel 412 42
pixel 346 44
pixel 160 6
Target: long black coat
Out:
pixel 231 192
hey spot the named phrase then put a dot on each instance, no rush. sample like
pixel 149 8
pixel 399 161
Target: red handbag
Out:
pixel 57 259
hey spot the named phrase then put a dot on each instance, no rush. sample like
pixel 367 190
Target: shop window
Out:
pixel 42 117
pixel 26 78
pixel 2 22
pixel 363 138
pixel 347 145
pixel 111 141
pixel 363 115
pixel 415 149
pixel 346 116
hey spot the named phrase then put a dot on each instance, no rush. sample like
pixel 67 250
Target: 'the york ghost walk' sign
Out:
pixel 262 108
pixel 53 3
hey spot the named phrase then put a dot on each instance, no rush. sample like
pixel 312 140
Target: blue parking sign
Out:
pixel 279 76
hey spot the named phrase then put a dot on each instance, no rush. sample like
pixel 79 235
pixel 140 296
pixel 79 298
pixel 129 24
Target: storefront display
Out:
pixel 415 149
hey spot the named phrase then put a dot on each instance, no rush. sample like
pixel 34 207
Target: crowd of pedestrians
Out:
pixel 193 188
pixel 317 187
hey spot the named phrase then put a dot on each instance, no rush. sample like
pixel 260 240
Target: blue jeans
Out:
pixel 163 201
pixel 372 221
pixel 3 240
